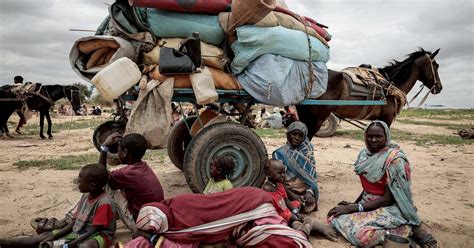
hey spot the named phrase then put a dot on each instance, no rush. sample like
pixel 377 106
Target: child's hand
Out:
pixel 48 239
pixel 309 198
pixel 112 139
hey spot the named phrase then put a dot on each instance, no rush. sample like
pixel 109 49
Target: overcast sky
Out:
pixel 35 39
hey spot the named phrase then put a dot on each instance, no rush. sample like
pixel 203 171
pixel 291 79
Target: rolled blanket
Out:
pixel 255 41
pixel 196 6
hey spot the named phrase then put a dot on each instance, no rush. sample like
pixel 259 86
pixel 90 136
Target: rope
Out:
pixel 309 87
pixel 435 83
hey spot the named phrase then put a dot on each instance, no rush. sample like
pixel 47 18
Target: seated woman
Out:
pixel 240 217
pixel 298 157
pixel 385 204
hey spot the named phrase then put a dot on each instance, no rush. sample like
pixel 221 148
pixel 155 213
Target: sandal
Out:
pixel 423 238
pixel 43 224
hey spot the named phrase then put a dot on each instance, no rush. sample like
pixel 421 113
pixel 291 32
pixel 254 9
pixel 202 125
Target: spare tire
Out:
pixel 178 140
pixel 239 142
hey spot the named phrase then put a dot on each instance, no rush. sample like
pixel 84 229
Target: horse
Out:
pixel 43 98
pixel 419 65
pixel 9 105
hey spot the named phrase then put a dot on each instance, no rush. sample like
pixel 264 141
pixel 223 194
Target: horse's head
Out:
pixel 428 73
pixel 72 93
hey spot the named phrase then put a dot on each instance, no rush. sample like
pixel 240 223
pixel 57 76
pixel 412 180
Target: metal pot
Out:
pixel 395 241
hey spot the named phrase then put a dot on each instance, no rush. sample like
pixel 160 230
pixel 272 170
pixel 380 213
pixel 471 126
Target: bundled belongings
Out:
pixel 186 60
pixel 254 41
pixel 222 80
pixel 247 12
pixel 91 54
pixel 166 24
pixel 318 27
pixel 275 55
pixel 274 19
pixel 286 86
pixel 466 133
pixel 190 6
pixel 212 56
pixel 151 113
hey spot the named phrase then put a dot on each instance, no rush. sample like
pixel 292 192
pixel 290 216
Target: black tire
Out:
pixel 104 130
pixel 231 139
pixel 329 127
pixel 178 140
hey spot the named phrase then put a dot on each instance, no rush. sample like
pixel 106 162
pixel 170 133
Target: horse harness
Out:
pixel 369 83
pixel 37 93
pixel 435 83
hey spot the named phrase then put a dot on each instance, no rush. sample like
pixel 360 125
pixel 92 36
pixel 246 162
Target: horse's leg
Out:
pixel 6 131
pixel 50 124
pixel 313 117
pixel 42 124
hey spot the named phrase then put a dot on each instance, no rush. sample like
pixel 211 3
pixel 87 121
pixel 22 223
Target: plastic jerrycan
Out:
pixel 116 78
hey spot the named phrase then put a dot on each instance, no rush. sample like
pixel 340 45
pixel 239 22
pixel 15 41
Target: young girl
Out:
pixel 221 170
pixel 275 172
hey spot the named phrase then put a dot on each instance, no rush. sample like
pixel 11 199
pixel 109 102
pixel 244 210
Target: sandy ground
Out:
pixel 442 185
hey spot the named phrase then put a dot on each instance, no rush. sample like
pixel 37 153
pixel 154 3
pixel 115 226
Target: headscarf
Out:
pixel 298 125
pixel 386 130
pixel 152 219
pixel 300 161
pixel 373 166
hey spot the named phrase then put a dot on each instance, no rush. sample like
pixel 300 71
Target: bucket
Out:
pixel 395 241
pixel 116 78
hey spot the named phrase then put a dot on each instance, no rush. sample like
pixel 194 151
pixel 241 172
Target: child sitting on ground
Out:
pixel 288 210
pixel 221 169
pixel 136 180
pixel 93 220
pixel 275 172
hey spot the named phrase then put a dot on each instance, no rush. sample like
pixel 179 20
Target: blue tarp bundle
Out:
pixel 167 24
pixel 254 41
pixel 280 81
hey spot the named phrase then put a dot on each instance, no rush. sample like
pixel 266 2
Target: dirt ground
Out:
pixel 442 185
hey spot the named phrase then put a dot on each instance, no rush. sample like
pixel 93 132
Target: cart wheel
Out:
pixel 105 129
pixel 329 127
pixel 178 140
pixel 225 139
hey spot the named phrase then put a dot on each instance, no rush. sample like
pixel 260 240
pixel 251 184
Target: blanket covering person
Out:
pixel 301 173
pixel 241 216
pixel 388 166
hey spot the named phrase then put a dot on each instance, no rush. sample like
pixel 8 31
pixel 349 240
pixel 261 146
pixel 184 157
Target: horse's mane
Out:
pixel 398 71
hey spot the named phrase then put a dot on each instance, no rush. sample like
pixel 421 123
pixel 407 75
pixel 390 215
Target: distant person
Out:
pixel 62 110
pixel 275 120
pixel 18 80
pixel 289 116
pixel 84 107
pixel 261 115
pixel 96 110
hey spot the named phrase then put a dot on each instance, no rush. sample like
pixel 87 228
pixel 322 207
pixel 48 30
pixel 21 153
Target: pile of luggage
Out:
pixel 261 46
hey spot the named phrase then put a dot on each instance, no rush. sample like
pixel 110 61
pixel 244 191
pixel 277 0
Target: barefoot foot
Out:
pixel 322 228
